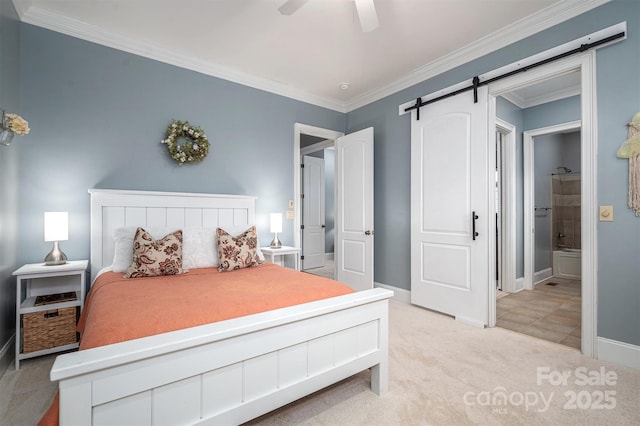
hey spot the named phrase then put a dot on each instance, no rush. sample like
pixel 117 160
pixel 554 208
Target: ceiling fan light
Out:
pixel 367 15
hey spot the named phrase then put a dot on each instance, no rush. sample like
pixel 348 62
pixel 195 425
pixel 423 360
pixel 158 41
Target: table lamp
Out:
pixel 56 229
pixel 276 227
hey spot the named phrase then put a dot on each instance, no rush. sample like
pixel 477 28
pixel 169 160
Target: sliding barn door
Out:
pixel 449 208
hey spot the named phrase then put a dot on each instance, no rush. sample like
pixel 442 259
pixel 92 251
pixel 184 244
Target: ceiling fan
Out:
pixel 365 8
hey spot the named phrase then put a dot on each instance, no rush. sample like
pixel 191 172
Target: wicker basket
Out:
pixel 48 329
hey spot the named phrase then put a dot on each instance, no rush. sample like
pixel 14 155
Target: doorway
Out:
pixel 550 306
pixel 354 234
pixel 318 205
pixel 581 66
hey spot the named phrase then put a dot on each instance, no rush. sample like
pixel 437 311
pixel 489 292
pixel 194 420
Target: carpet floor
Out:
pixel 442 372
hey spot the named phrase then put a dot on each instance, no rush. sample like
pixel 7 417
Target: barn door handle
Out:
pixel 324 226
pixel 474 234
pixel 367 232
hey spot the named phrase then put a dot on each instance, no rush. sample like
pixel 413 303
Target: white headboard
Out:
pixel 112 209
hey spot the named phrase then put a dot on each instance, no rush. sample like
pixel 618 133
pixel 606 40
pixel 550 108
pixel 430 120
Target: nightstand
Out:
pixel 272 253
pixel 48 302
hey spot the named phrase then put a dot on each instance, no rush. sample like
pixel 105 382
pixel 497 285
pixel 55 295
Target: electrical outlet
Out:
pixel 606 213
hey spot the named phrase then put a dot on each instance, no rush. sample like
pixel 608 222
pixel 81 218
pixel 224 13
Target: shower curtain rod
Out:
pixel 477 83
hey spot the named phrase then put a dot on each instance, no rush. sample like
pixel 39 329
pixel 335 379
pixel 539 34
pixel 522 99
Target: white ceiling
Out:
pixel 307 55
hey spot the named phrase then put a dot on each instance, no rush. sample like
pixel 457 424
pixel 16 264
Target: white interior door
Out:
pixel 313 214
pixel 354 210
pixel 449 193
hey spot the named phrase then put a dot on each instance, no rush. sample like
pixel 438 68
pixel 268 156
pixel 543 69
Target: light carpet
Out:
pixel 441 373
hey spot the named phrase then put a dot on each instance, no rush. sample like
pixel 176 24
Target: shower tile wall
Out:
pixel 566 201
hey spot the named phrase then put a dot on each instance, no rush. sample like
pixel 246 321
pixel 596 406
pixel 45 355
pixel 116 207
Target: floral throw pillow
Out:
pixel 237 252
pixel 152 257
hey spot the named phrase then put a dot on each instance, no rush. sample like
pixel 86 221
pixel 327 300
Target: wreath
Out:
pixel 186 143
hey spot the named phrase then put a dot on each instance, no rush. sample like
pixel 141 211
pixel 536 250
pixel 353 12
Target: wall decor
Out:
pixel 11 125
pixel 186 143
pixel 631 150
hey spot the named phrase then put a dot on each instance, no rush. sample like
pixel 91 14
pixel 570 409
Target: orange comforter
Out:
pixel 119 309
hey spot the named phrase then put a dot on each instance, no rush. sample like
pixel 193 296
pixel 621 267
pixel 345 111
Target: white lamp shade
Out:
pixel 276 222
pixel 56 226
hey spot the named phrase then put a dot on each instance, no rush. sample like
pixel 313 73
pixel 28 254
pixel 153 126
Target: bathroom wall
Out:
pixel 547 156
pixel 566 195
pixel 557 195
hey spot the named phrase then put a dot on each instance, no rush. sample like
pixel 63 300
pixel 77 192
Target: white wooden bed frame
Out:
pixel 227 372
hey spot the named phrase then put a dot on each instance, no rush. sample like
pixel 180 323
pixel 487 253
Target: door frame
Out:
pixel 529 192
pixel 586 64
pixel 508 207
pixel 304 129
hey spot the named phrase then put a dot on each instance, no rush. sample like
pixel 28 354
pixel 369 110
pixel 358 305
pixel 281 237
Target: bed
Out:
pixel 225 372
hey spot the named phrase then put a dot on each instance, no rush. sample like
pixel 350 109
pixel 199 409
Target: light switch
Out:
pixel 290 214
pixel 606 213
pixel 291 205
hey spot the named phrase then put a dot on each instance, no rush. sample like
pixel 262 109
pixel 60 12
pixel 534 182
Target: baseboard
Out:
pixel 621 353
pixel 400 294
pixel 7 354
pixel 519 284
pixel 540 276
pixel 328 256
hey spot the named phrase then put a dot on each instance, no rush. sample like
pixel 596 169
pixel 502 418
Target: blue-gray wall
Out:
pixel 552 113
pixel 9 159
pixel 98 116
pixel 618 98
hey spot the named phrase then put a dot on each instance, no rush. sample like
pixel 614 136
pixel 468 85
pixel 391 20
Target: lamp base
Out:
pixel 276 244
pixel 55 256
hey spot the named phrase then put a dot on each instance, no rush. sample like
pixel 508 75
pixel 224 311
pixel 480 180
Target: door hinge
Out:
pixel 301 226
pixel 302 165
pixel 301 257
pixel 302 196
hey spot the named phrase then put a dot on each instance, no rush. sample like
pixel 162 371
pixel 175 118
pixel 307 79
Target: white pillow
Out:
pixel 199 245
pixel 199 248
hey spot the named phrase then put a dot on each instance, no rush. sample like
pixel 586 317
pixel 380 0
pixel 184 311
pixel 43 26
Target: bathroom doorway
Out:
pixel 551 308
pixel 544 302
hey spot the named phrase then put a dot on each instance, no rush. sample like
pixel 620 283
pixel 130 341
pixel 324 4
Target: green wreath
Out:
pixel 194 146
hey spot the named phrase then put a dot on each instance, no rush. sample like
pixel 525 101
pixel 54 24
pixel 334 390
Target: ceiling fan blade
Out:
pixel 367 15
pixel 291 6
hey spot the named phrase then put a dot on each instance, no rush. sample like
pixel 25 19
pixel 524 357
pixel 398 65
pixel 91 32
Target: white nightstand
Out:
pixel 271 253
pixel 37 279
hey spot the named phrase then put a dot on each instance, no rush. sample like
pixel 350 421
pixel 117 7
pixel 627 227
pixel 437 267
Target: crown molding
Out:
pixel 81 30
pixel 546 18
pixel 556 95
pixel 21 7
